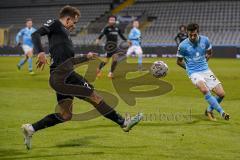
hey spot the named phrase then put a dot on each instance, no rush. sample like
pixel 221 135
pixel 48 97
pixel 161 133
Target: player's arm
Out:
pixel 180 56
pixel 36 39
pixel 19 34
pixel 103 32
pixel 180 62
pixel 121 35
pixel 209 51
pixel 176 39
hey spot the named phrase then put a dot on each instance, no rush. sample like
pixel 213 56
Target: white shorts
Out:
pixel 136 49
pixel 26 49
pixel 207 77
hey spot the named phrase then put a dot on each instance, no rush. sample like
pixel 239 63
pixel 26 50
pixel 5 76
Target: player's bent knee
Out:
pixel 202 87
pixel 221 94
pixel 96 98
pixel 66 116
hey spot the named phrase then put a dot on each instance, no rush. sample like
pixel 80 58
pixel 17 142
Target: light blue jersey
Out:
pixel 135 37
pixel 26 33
pixel 194 54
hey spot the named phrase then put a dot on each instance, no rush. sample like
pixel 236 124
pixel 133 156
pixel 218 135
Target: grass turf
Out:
pixel 25 99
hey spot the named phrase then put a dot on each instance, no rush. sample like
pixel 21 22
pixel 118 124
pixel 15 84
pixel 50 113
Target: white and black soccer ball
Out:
pixel 159 69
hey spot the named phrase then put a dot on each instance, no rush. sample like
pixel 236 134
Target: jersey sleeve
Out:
pixel 131 35
pixel 103 32
pixel 47 28
pixel 19 34
pixel 208 44
pixel 181 51
pixel 134 35
pixel 121 34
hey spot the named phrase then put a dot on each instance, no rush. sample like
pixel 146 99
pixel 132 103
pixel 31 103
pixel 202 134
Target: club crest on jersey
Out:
pixel 202 45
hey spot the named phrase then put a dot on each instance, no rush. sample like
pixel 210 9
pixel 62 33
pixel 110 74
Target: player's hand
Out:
pixel 207 56
pixel 129 43
pixel 92 55
pixel 19 44
pixel 41 60
pixel 97 41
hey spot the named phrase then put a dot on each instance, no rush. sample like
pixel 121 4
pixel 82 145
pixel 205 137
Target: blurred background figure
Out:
pixel 182 35
pixel 135 40
pixel 27 45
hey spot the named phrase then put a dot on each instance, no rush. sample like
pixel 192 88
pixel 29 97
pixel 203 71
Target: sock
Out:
pixel 30 64
pixel 102 64
pixel 22 61
pixel 140 59
pixel 113 66
pixel 48 121
pixel 219 100
pixel 213 102
pixel 110 113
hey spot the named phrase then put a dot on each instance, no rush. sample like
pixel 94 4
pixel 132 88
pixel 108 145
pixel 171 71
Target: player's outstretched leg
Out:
pixel 140 67
pixel 113 65
pixel 30 67
pixel 101 65
pixel 22 62
pixel 211 101
pixel 219 91
pixel 108 112
pixel 65 114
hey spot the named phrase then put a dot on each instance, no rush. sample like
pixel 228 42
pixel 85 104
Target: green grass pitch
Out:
pixel 25 99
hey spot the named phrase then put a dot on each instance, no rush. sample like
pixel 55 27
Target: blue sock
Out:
pixel 140 61
pixel 213 102
pixel 30 64
pixel 22 61
pixel 219 100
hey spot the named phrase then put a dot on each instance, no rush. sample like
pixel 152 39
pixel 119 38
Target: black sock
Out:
pixel 110 113
pixel 113 66
pixel 48 121
pixel 102 64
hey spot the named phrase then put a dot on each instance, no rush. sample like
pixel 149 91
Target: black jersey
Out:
pixel 60 45
pixel 111 33
pixel 180 37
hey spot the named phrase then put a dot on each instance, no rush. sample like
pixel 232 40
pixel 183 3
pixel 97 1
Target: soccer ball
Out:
pixel 159 69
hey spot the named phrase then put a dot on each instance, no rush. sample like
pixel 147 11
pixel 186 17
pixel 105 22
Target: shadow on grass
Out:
pixel 80 142
pixel 14 157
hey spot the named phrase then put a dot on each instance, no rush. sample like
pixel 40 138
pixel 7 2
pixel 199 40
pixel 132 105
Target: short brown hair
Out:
pixel 192 27
pixel 69 11
pixel 28 19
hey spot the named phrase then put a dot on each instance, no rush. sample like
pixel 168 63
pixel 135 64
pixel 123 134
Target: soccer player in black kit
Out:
pixel 64 80
pixel 111 31
pixel 182 35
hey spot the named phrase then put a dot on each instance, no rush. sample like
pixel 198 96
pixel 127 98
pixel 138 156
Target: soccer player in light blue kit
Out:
pixel 27 45
pixel 135 39
pixel 193 54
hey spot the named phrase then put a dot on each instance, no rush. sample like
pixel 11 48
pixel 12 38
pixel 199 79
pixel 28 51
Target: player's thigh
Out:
pixel 130 50
pixel 106 60
pixel 138 51
pixel 76 79
pixel 211 80
pixel 30 53
pixel 199 81
pixel 27 50
pixel 64 106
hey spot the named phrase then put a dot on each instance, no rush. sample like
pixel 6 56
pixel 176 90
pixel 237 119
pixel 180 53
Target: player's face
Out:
pixel 29 24
pixel 111 21
pixel 71 23
pixel 136 24
pixel 193 36
pixel 183 29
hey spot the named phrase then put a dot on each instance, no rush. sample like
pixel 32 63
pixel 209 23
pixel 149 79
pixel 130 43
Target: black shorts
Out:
pixel 110 54
pixel 74 79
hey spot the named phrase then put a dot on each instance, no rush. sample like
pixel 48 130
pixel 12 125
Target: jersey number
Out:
pixel 213 77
